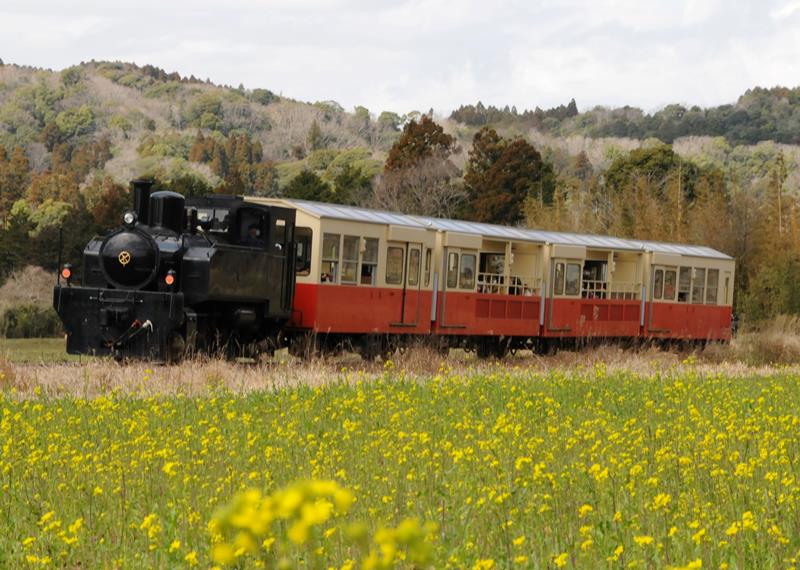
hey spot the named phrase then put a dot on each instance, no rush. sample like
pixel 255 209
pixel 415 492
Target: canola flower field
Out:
pixel 513 469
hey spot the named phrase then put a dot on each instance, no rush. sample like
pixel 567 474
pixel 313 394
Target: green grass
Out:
pixel 35 350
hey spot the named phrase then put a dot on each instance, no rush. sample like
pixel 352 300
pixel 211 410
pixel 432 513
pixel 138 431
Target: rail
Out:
pixel 621 290
pixel 499 284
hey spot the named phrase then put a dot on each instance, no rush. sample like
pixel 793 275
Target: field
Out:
pixel 29 350
pixel 596 460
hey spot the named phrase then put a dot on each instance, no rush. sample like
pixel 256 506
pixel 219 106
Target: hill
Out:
pixel 725 176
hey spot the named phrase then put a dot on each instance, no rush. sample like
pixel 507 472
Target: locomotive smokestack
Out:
pixel 141 199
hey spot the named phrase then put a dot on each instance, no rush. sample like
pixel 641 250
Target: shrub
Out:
pixel 29 321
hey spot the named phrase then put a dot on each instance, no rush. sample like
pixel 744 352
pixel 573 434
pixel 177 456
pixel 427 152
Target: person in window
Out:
pixel 253 234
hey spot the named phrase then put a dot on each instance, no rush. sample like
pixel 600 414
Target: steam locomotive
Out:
pixel 214 273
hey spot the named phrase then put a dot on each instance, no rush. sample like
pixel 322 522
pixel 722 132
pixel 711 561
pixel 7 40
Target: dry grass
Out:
pixel 201 376
pixel 774 343
pixel 28 286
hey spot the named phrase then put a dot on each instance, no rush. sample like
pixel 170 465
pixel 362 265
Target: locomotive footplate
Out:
pixel 119 323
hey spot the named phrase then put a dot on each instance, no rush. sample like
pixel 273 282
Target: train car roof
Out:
pixel 357 214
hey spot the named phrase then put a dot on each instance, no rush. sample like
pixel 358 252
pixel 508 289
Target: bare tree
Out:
pixel 430 188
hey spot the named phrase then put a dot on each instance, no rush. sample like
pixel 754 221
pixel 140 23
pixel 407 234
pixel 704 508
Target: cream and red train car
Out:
pixel 374 280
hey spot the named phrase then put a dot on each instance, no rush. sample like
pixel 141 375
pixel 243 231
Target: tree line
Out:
pixel 758 115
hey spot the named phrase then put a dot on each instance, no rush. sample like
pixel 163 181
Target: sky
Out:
pixel 421 54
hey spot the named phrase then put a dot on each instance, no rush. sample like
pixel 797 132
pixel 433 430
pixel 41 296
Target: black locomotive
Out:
pixel 204 274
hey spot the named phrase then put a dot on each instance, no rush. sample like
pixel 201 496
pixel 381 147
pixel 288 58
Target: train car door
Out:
pixel 668 301
pixel 452 311
pixel 413 283
pixel 403 270
pixel 564 301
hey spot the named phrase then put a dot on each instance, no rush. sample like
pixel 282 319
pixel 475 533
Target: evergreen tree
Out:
pixel 418 142
pixel 309 186
pixel 501 175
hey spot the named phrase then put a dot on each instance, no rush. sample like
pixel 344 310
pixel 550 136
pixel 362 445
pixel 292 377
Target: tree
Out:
pixel 431 188
pixel 501 175
pixel 390 120
pixel 14 179
pixel 309 186
pixel 418 142
pixel 352 186
pixel 315 139
pixel 76 121
pixel 110 202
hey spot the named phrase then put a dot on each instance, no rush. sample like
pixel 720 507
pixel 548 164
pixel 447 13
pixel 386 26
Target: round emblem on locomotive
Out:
pixel 124 258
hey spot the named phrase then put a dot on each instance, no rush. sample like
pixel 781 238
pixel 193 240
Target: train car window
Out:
pixel 711 286
pixel 427 267
pixel 493 263
pixel 413 267
pixel 369 261
pixel 452 270
pixel 350 259
pixel 684 284
pixel 558 280
pixel 302 262
pixel 394 266
pixel 466 278
pixel 330 258
pixel 670 276
pixel 699 285
pixel 573 286
pixel 658 284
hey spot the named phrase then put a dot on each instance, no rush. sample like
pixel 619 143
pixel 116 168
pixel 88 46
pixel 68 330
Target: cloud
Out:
pixel 417 54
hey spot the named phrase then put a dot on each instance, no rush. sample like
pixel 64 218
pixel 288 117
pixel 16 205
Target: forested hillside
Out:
pixel 727 176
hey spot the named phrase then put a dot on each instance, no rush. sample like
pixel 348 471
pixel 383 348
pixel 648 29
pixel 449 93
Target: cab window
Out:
pixel 252 228
pixel 213 220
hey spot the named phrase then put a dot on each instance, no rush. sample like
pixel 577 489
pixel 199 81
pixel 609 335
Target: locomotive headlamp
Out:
pixel 66 272
pixel 170 278
pixel 129 218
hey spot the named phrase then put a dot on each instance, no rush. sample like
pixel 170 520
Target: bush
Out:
pixel 30 321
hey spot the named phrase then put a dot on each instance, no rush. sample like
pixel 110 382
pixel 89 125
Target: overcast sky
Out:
pixel 418 54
